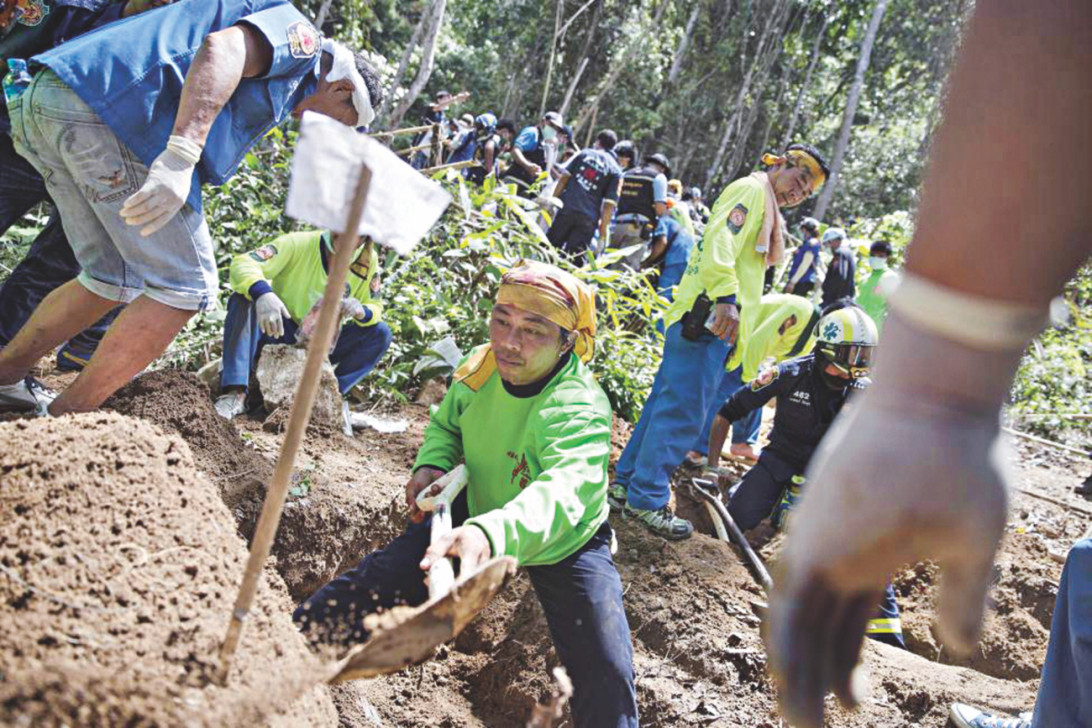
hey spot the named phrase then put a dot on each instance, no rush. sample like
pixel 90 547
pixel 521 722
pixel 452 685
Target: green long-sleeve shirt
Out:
pixel 292 267
pixel 537 464
pixel 725 262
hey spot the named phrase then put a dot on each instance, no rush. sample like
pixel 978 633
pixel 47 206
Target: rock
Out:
pixel 432 392
pixel 279 371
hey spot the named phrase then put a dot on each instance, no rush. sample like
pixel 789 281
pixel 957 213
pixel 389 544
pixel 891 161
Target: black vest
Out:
pixel 637 197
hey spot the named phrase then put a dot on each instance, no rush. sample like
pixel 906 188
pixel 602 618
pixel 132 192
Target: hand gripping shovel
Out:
pixel 408 636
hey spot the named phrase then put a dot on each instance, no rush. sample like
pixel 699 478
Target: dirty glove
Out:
pixel 352 308
pixel 166 188
pixel 271 315
pixel 912 472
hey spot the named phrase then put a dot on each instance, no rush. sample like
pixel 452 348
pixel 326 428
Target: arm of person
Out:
pixel 611 187
pixel 802 266
pixel 489 156
pixel 252 273
pixel 736 222
pixel 443 446
pixel 656 252
pixel 562 183
pixel 746 400
pixel 659 195
pixel 363 292
pixel 574 447
pixel 873 503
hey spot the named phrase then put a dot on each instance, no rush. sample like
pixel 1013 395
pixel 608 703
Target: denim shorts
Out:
pixel 89 173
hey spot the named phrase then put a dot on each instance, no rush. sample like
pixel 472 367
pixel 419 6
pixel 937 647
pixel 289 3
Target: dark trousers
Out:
pixel 358 349
pixel 581 597
pixel 49 262
pixel 803 288
pixel 572 233
pixel 752 499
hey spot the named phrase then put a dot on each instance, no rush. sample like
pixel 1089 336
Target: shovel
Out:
pixel 705 491
pixel 410 635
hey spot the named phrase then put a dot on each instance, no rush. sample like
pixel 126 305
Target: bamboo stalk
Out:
pixel 1049 443
pixel 398 132
pixel 345 249
pixel 453 165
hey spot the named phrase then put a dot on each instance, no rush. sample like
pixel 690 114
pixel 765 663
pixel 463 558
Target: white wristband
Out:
pixel 981 323
pixel 188 150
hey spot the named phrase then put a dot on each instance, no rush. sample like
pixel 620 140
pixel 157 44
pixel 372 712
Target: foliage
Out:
pixel 444 288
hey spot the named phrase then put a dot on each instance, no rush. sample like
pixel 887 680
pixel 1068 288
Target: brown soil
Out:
pixel 120 566
pixel 691 606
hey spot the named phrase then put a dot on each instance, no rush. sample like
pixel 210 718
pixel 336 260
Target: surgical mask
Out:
pixel 549 133
pixel 877 263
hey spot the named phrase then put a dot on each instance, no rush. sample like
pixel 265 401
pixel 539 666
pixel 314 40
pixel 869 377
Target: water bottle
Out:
pixel 17 79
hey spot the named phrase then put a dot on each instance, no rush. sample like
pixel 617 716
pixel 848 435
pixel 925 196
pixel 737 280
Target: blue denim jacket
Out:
pixel 131 74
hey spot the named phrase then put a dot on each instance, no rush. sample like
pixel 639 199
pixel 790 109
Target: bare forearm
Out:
pixel 718 433
pixel 1003 175
pixel 561 185
pixel 604 218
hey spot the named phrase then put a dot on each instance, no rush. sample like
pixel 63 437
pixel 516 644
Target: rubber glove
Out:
pixel 271 315
pixel 352 308
pixel 166 188
pixel 914 469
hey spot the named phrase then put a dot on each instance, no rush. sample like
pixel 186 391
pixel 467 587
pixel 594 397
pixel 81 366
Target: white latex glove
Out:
pixel 904 475
pixel 271 315
pixel 165 190
pixel 352 308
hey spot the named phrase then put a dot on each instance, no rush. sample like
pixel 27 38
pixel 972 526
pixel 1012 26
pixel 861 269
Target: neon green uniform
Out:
pixel 874 293
pixel 292 266
pixel 537 464
pixel 768 340
pixel 725 262
pixel 679 212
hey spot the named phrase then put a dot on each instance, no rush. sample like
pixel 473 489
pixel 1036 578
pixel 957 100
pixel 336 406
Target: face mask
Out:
pixel 549 133
pixel 876 263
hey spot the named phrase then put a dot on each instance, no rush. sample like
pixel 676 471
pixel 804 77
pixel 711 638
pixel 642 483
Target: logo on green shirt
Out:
pixel 522 471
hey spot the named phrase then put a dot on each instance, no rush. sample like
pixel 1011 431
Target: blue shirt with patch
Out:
pixel 131 74
pixel 593 177
pixel 529 140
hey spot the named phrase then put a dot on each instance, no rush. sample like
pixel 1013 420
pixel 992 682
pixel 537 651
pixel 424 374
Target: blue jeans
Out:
pixel 47 264
pixel 751 500
pixel 745 430
pixel 358 349
pixel 1065 691
pixel 89 174
pixel 672 417
pixel 581 597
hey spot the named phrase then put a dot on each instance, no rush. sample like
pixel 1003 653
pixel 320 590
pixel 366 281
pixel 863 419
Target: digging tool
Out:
pixel 411 635
pixel 706 492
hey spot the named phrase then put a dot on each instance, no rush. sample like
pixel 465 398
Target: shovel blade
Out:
pixel 415 637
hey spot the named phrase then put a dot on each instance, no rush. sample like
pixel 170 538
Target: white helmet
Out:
pixel 847 339
pixel 833 234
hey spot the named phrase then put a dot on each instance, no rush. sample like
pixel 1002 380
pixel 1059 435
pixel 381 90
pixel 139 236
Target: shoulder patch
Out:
pixel 303 39
pixel 765 378
pixel 31 12
pixel 264 253
pixel 737 218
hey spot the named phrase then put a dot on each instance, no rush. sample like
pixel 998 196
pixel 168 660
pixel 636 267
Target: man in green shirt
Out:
pixel 276 286
pixel 879 285
pixel 533 427
pixel 719 292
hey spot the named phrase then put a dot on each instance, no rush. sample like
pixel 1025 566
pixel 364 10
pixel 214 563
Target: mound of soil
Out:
pixel 178 402
pixel 1019 610
pixel 119 565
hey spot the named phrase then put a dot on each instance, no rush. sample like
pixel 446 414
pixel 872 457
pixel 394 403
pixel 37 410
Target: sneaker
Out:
pixel 663 522
pixel 964 716
pixel 695 459
pixel 231 405
pixel 28 395
pixel 616 497
pixel 70 360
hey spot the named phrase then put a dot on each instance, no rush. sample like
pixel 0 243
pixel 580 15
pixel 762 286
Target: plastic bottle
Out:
pixel 17 79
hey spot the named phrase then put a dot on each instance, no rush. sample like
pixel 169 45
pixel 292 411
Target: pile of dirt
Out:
pixel 119 566
pixel 1019 610
pixel 178 402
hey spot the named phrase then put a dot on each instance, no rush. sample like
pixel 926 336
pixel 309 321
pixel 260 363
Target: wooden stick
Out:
pixel 1050 499
pixel 397 132
pixel 1049 443
pixel 453 165
pixel 317 350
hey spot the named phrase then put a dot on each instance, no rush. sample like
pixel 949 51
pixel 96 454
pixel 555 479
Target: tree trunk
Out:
pixel 851 110
pixel 403 65
pixel 553 54
pixel 323 11
pixel 797 107
pixel 428 60
pixel 572 87
pixel 684 43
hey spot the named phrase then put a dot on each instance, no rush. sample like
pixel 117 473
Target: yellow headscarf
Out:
pixel 548 291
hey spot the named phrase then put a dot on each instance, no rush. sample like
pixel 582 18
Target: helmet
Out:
pixel 486 122
pixel 674 187
pixel 695 192
pixel 810 223
pixel 847 339
pixel 625 148
pixel 661 160
pixel 833 234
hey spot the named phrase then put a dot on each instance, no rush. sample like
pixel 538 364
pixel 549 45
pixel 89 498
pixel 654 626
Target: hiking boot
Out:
pixel 231 405
pixel 28 395
pixel 663 523
pixel 964 716
pixel 70 360
pixel 616 497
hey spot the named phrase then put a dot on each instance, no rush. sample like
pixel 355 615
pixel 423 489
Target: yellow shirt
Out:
pixel 767 340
